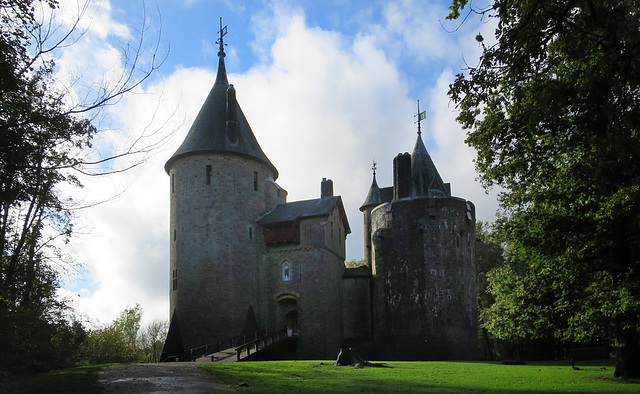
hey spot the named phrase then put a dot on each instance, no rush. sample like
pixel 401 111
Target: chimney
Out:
pixel 326 188
pixel 402 176
pixel 232 121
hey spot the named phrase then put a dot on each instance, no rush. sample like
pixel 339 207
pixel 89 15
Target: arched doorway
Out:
pixel 288 317
pixel 292 323
pixel 288 308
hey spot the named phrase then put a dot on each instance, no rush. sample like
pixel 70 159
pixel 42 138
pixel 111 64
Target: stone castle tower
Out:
pixel 243 259
pixel 419 244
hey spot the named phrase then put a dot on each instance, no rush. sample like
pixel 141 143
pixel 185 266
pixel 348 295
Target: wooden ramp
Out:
pixel 221 357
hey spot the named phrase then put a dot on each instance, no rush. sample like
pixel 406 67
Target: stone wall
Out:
pixel 215 242
pixel 424 300
pixel 311 287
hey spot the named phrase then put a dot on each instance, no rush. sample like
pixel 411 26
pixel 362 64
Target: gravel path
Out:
pixel 181 377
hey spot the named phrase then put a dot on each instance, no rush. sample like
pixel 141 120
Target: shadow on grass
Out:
pixel 80 380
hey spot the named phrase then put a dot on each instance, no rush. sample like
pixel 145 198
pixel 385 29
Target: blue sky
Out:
pixel 327 86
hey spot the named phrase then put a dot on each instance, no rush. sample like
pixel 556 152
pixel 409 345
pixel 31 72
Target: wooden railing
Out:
pixel 263 342
pixel 205 350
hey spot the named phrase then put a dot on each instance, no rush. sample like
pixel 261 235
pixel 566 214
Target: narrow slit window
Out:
pixel 174 281
pixel 255 181
pixel 208 175
pixel 173 183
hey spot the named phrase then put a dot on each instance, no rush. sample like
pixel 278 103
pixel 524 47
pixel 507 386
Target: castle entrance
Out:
pixel 288 306
pixel 292 323
pixel 288 317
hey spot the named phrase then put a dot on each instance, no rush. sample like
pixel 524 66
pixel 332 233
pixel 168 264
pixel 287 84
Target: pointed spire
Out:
pixel 373 197
pixel 221 126
pixel 426 180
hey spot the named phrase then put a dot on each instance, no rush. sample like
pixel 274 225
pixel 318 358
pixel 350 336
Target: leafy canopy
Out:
pixel 552 109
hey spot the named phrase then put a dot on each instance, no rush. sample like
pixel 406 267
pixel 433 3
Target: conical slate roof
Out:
pixel 374 197
pixel 221 126
pixel 425 177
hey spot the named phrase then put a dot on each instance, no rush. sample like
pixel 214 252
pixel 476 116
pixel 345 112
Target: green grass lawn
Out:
pixel 421 377
pixel 401 377
pixel 80 380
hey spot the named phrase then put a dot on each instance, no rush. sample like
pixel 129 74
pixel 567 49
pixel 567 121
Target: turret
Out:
pixel 221 182
pixel 374 198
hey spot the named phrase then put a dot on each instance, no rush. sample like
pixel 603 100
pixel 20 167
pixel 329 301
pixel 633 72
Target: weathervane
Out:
pixel 223 32
pixel 421 116
pixel 374 167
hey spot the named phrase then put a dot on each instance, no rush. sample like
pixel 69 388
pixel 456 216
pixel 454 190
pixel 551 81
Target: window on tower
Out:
pixel 174 279
pixel 255 181
pixel 208 174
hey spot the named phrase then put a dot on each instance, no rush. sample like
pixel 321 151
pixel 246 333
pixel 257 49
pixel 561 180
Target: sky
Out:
pixel 327 87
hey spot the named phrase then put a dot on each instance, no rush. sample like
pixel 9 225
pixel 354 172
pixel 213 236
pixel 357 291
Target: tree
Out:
pixel 552 109
pixel 46 136
pixel 151 340
pixel 488 256
pixel 117 342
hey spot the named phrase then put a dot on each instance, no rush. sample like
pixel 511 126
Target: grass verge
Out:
pixel 421 377
pixel 80 380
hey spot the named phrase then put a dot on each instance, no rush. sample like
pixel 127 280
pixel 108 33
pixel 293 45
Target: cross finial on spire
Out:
pixel 374 167
pixel 421 116
pixel 223 32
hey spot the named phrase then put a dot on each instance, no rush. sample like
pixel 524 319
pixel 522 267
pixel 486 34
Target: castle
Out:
pixel 242 258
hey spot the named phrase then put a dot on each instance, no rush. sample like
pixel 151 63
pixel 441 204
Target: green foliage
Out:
pixel 123 341
pixel 552 110
pixel 151 340
pixel 45 142
pixel 115 343
pixel 37 135
pixel 417 377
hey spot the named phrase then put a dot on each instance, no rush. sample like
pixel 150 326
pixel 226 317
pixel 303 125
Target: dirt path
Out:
pixel 160 378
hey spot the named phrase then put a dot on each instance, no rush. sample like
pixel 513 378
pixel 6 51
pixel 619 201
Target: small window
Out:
pixel 208 175
pixel 173 183
pixel 174 281
pixel 175 235
pixel 255 181
pixel 286 271
pixel 250 232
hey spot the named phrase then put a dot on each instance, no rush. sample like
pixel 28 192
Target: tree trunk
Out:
pixel 349 356
pixel 628 354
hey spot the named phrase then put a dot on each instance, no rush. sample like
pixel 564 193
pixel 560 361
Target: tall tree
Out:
pixel 552 109
pixel 43 145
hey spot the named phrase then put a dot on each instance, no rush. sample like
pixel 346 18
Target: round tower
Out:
pixel 221 182
pixel 422 254
pixel 373 200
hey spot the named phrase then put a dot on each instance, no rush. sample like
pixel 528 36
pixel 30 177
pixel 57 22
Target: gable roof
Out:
pixel 293 211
